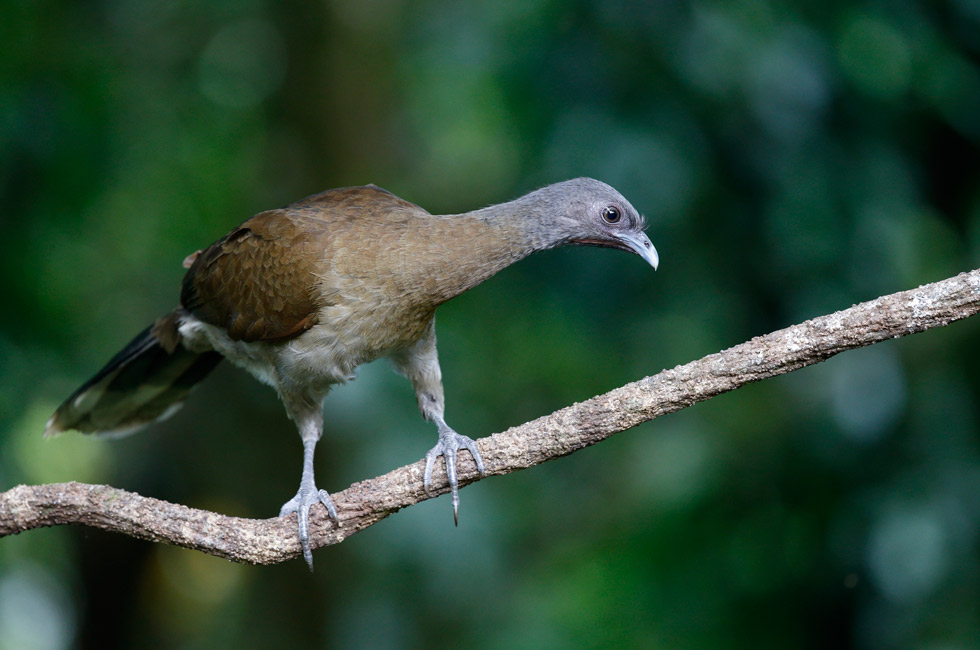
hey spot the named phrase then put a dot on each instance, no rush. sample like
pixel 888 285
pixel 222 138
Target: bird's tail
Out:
pixel 146 381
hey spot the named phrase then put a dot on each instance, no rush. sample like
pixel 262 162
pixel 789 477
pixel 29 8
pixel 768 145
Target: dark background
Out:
pixel 792 158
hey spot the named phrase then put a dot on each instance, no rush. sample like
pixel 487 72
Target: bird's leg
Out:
pixel 420 363
pixel 310 426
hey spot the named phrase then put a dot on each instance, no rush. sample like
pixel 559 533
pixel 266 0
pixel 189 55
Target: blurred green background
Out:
pixel 792 158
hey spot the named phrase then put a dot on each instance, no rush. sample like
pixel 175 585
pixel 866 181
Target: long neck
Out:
pixel 536 216
pixel 433 258
pixel 463 250
pixel 481 243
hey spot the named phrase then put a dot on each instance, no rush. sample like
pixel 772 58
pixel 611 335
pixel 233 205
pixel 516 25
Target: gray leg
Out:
pixel 310 427
pixel 420 363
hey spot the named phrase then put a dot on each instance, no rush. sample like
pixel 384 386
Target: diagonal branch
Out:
pixel 270 541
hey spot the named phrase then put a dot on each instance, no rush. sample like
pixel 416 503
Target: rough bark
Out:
pixel 270 541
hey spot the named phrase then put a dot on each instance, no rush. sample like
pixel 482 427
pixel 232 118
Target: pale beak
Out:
pixel 640 244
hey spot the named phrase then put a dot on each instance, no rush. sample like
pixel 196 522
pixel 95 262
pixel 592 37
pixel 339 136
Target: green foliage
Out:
pixel 792 158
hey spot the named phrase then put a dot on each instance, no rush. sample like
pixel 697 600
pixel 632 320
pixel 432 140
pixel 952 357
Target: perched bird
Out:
pixel 302 295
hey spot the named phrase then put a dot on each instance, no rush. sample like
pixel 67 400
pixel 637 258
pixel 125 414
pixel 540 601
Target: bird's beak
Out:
pixel 640 244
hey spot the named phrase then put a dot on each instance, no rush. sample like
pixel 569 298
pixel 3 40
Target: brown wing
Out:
pixel 257 282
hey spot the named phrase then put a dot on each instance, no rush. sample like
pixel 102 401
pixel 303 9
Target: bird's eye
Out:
pixel 611 214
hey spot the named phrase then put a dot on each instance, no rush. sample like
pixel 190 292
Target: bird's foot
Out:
pixel 301 504
pixel 448 446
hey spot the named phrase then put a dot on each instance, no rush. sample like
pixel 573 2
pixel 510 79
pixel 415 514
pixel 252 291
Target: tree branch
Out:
pixel 270 541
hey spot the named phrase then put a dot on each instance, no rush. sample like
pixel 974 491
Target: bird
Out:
pixel 302 295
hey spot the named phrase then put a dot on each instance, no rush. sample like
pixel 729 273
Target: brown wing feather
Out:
pixel 257 281
pixel 260 281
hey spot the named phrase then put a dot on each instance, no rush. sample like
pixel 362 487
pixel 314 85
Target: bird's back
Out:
pixel 268 278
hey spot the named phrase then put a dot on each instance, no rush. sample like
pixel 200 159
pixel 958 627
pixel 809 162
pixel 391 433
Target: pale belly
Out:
pixel 326 354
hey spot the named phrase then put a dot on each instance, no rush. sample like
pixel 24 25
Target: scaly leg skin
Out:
pixel 308 495
pixel 448 447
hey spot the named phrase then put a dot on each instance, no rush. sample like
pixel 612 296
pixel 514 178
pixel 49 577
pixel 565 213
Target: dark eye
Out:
pixel 611 214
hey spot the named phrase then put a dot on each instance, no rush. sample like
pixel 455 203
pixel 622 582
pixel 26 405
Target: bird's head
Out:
pixel 588 212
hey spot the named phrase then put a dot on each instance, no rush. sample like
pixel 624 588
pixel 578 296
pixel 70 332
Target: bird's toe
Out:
pixel 289 507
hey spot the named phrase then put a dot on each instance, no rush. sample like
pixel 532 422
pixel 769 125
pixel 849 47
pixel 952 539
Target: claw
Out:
pixel 448 447
pixel 301 504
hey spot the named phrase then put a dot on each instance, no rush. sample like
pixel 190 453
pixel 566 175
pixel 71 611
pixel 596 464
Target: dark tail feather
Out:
pixel 146 381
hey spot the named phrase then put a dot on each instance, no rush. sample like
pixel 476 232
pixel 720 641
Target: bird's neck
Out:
pixel 492 238
pixel 463 250
pixel 442 256
pixel 534 220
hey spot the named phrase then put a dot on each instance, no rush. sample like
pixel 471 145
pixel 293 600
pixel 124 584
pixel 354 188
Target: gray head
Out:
pixel 587 212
